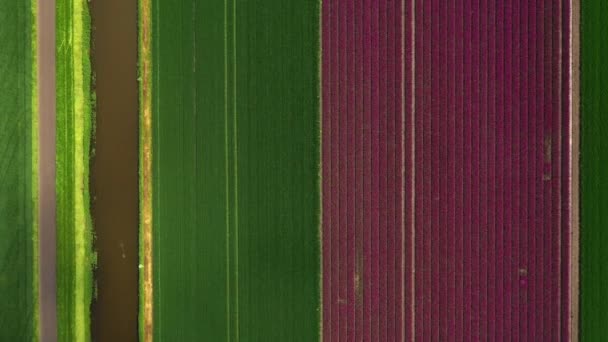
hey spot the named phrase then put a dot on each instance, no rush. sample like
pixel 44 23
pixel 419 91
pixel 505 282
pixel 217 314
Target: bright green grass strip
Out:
pixel 235 170
pixel 594 171
pixel 74 251
pixel 18 172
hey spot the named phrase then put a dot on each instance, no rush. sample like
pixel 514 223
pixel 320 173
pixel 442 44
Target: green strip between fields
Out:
pixel 74 127
pixel 19 309
pixel 594 171
pixel 235 170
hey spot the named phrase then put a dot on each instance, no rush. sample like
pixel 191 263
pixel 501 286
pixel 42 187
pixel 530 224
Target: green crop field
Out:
pixel 18 172
pixel 233 93
pixel 594 171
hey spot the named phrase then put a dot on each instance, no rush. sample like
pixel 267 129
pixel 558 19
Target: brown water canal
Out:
pixel 114 169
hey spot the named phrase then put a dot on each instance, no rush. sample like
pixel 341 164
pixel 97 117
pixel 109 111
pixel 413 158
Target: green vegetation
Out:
pixel 74 237
pixel 18 172
pixel 234 170
pixel 594 171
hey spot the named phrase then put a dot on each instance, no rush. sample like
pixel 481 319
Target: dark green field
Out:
pixel 235 120
pixel 594 170
pixel 18 173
